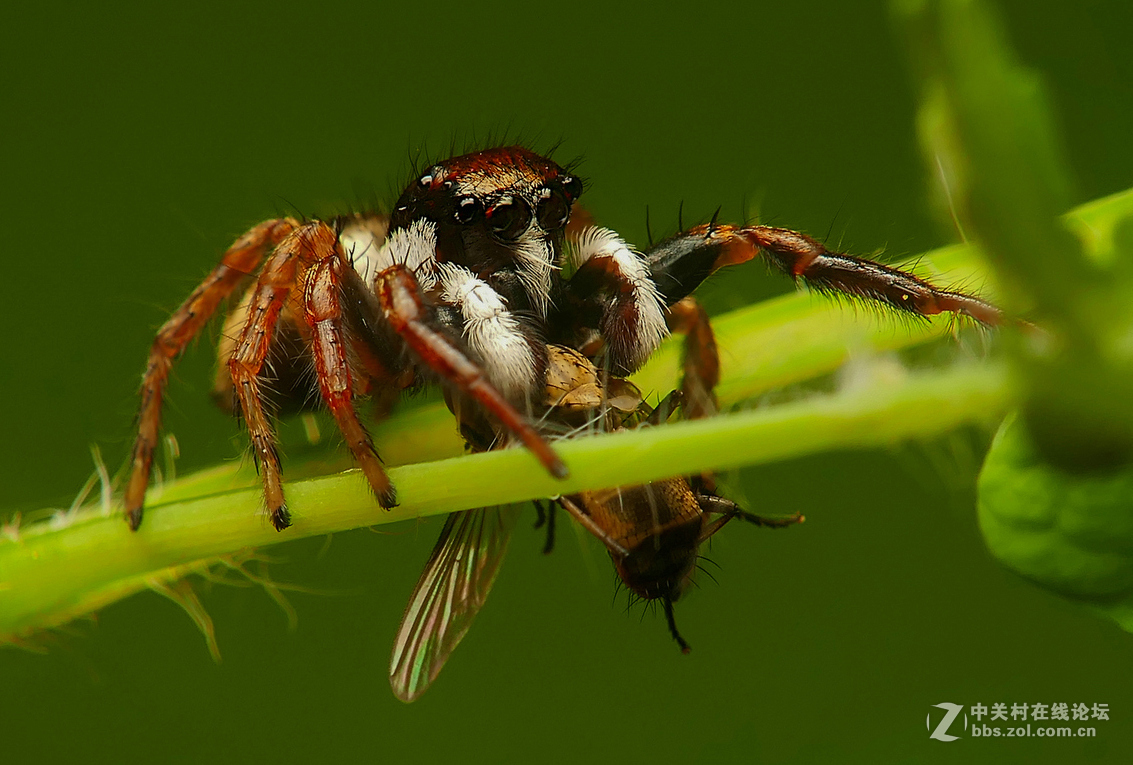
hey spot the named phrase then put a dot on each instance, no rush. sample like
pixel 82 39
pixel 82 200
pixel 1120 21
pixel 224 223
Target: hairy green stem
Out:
pixel 56 571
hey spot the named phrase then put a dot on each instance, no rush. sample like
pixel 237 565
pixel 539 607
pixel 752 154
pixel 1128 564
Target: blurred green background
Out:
pixel 136 143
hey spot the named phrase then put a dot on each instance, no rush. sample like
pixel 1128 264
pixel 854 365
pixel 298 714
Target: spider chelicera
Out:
pixel 464 284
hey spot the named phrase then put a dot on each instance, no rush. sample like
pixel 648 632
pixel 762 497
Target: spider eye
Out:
pixel 572 186
pixel 553 210
pixel 466 209
pixel 509 218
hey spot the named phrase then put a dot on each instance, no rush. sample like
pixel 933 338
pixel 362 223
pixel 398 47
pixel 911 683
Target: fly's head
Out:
pixel 661 566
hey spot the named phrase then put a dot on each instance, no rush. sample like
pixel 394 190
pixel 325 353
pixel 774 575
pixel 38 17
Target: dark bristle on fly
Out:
pixel 668 603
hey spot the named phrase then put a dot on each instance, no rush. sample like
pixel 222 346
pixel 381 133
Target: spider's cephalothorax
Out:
pixel 464 284
pixel 501 215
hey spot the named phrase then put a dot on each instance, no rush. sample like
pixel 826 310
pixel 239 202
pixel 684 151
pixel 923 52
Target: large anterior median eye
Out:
pixel 553 210
pixel 509 218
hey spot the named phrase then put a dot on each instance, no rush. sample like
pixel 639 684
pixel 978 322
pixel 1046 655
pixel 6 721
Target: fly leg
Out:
pixel 727 510
pixel 547 518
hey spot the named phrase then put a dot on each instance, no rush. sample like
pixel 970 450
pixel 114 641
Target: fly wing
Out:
pixel 449 594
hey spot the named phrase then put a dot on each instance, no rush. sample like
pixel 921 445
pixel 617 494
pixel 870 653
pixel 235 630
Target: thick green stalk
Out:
pixel 71 564
pixel 54 572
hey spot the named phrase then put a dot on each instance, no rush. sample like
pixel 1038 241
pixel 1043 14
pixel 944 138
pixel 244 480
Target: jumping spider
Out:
pixel 464 284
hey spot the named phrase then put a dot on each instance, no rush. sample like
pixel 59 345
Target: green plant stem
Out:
pixel 54 574
pixel 71 564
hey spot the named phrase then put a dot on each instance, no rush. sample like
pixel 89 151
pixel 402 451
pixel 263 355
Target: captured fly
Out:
pixel 652 531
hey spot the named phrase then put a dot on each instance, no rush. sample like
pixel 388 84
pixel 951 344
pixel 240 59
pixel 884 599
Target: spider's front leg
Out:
pixel 679 264
pixel 614 291
pixel 414 319
pixel 631 301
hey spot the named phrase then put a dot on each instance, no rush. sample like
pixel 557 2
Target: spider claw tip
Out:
pixel 281 518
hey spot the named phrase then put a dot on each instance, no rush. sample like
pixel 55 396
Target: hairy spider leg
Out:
pixel 332 367
pixel 238 263
pixel 612 292
pixel 700 357
pixel 679 264
pixel 309 284
pixel 308 266
pixel 281 276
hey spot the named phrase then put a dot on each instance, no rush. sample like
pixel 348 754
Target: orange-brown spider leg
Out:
pixel 328 344
pixel 701 366
pixel 239 262
pixel 800 256
pixel 278 280
pixel 701 360
pixel 681 263
pixel 404 309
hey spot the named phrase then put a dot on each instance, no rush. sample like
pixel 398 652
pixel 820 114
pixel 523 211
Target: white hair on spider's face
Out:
pixel 535 257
